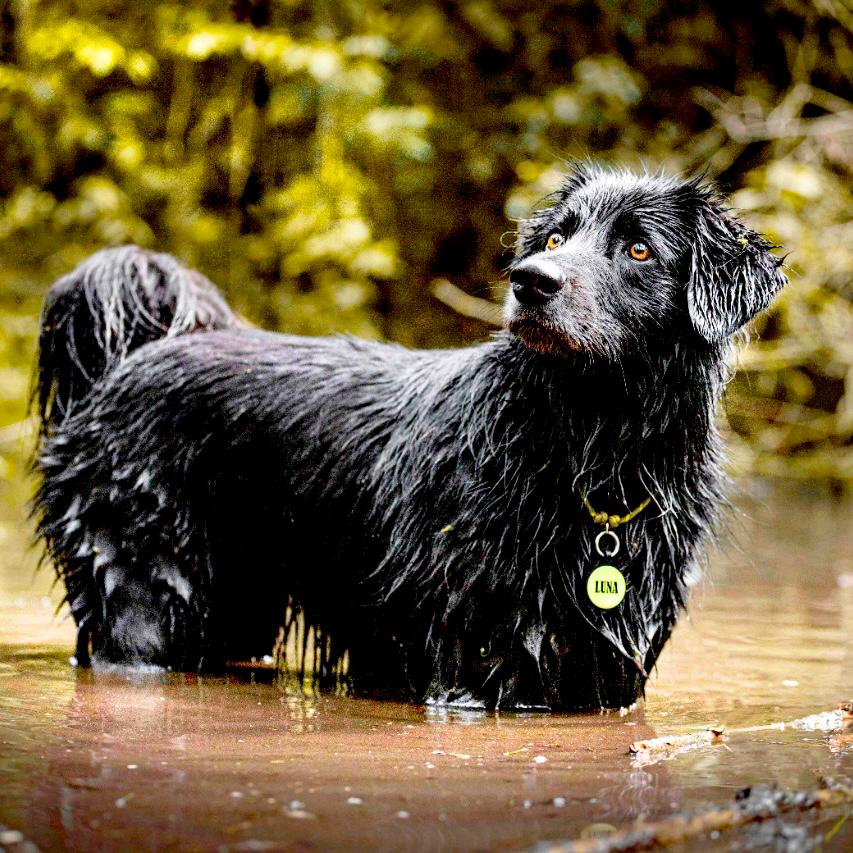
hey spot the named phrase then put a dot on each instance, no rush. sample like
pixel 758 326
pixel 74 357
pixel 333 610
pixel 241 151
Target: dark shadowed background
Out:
pixel 335 165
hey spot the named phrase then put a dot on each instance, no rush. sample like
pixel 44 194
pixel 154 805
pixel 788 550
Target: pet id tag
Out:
pixel 606 585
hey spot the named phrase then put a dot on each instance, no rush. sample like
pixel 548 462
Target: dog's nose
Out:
pixel 533 285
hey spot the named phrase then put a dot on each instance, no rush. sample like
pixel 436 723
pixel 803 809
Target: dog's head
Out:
pixel 619 261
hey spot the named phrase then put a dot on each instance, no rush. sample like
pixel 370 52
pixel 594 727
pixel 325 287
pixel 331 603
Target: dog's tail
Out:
pixel 111 304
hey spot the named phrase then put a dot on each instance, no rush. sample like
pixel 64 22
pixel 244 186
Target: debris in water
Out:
pixel 300 814
pixel 752 805
pixel 826 721
pixel 539 759
pixel 656 749
pixel 354 801
pixel 677 742
pixel 463 755
pixel 597 830
pixel 403 815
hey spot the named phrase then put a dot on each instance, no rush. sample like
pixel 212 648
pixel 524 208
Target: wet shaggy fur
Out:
pixel 420 511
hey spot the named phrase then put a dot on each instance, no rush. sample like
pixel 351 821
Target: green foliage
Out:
pixel 324 161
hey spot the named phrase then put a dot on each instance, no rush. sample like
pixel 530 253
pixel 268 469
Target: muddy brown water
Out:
pixel 144 760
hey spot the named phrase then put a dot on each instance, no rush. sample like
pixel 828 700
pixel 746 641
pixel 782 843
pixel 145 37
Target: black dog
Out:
pixel 427 514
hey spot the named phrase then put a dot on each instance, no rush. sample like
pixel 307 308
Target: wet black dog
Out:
pixel 421 511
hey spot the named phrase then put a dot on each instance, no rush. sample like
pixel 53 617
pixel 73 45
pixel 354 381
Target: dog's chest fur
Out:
pixel 469 525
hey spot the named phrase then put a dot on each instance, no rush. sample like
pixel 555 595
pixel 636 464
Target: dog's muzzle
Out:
pixel 535 282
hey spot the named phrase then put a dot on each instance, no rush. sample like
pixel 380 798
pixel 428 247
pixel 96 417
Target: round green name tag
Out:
pixel 606 587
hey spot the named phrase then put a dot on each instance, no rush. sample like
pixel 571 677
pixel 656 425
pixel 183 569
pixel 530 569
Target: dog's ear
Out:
pixel 733 274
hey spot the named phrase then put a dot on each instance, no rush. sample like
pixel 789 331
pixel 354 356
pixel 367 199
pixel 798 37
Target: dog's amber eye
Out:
pixel 555 240
pixel 639 251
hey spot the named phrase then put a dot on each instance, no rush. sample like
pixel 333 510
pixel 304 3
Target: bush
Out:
pixel 324 162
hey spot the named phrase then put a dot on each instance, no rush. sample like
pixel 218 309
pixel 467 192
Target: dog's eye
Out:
pixel 555 240
pixel 639 251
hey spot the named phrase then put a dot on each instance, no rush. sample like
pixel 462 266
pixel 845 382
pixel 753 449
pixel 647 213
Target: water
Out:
pixel 129 760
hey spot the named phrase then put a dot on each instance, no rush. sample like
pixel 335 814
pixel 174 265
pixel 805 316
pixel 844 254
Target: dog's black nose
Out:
pixel 532 285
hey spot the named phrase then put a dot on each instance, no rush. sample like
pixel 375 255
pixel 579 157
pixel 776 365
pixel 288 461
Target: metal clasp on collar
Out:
pixel 608 534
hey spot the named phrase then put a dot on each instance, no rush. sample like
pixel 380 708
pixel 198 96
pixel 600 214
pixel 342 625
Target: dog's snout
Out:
pixel 533 285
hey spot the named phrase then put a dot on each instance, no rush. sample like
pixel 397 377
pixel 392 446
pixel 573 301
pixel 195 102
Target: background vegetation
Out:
pixel 326 161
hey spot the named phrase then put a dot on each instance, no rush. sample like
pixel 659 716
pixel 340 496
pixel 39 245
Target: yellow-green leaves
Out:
pixel 90 47
pixel 324 162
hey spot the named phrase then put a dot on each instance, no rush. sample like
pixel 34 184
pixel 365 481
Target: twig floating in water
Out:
pixel 677 742
pixel 657 748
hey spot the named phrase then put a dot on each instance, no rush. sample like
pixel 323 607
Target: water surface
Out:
pixel 130 760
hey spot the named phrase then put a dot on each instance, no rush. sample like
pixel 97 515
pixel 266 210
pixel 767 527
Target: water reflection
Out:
pixel 117 758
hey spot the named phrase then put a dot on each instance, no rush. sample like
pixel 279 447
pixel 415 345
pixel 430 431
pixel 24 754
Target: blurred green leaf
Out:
pixel 324 162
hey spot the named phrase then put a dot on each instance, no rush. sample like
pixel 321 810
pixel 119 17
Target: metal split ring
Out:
pixel 613 538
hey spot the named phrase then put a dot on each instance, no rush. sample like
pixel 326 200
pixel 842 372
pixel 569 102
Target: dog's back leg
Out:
pixel 138 609
pixel 128 606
